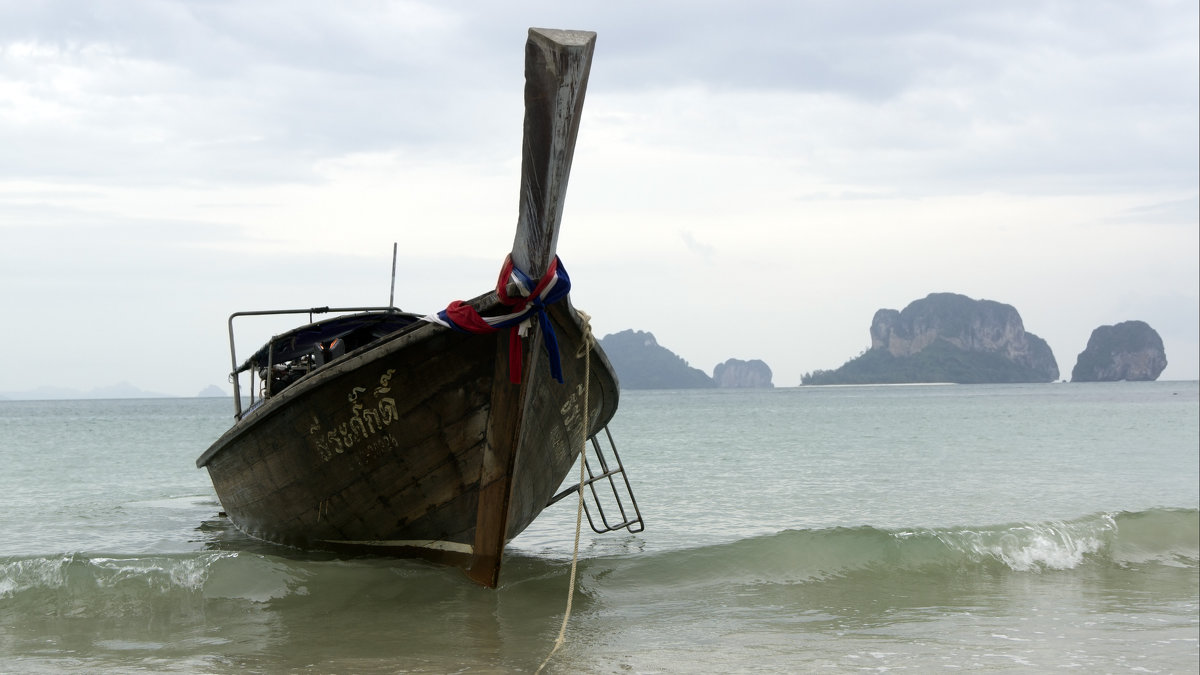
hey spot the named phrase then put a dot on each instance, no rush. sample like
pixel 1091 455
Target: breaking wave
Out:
pixel 94 586
pixel 1125 540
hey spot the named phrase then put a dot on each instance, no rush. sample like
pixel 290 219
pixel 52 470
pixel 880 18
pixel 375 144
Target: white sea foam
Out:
pixel 786 531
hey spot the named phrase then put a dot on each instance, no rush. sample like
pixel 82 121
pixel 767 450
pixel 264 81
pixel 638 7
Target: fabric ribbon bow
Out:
pixel 531 303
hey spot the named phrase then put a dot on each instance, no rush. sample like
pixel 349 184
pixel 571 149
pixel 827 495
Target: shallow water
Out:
pixel 1015 527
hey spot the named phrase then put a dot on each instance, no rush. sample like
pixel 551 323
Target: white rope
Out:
pixel 585 351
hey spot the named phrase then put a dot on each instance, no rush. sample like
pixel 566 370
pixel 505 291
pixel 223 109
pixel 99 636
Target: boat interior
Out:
pixel 289 356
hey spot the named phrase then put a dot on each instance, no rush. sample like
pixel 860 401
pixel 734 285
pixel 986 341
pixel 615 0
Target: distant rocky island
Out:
pixel 1130 351
pixel 119 390
pixel 947 337
pixel 641 363
pixel 739 374
pixel 114 391
pixel 944 337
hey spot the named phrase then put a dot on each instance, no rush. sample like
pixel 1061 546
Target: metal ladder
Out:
pixel 615 496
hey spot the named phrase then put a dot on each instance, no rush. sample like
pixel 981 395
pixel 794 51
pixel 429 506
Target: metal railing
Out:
pixel 233 373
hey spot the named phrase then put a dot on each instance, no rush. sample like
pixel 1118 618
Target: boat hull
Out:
pixel 417 446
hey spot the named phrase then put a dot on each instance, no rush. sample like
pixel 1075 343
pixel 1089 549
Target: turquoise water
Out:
pixel 1018 527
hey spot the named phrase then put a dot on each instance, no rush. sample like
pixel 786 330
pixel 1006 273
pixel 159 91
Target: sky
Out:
pixel 752 180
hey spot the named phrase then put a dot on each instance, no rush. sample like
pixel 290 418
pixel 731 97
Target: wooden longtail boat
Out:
pixel 381 431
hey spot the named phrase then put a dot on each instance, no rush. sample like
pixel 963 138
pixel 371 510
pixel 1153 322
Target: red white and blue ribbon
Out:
pixel 530 304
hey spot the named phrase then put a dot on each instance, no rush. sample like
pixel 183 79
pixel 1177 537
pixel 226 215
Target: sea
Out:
pixel 1003 528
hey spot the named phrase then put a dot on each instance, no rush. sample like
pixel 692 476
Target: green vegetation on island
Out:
pixel 946 337
pixel 1130 351
pixel 939 362
pixel 642 364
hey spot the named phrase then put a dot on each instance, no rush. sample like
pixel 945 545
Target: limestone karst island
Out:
pixel 941 338
pixel 641 363
pixel 947 337
pixel 1130 351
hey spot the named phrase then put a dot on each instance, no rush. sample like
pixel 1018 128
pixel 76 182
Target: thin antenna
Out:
pixel 392 294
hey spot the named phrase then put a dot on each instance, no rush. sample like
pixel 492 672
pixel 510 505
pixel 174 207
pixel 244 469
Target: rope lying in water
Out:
pixel 585 352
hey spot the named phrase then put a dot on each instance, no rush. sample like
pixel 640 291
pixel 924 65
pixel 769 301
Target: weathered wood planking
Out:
pixel 557 65
pixel 418 444
pixel 422 476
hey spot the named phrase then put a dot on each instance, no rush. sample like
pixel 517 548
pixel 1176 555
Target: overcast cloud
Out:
pixel 752 179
